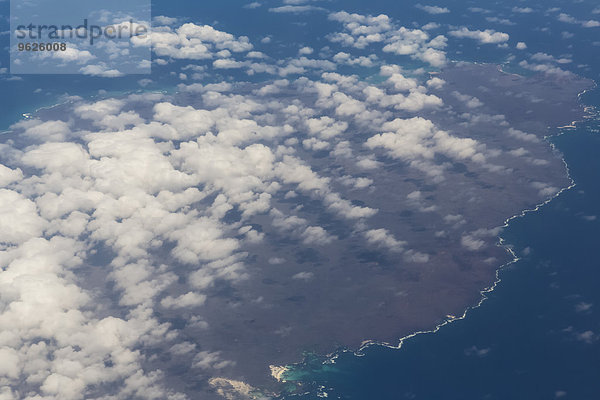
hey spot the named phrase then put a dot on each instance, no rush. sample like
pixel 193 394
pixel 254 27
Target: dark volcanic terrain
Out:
pixel 386 226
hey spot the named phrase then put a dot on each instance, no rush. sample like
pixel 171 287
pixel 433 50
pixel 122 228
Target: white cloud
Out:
pixel 315 144
pixel 587 337
pixel 19 218
pixel 326 127
pixel 210 360
pixel 276 260
pixel 521 46
pixel 191 41
pixel 415 42
pixel 591 24
pixel 299 228
pixel 164 20
pixel 433 9
pixel 254 4
pixel 44 131
pixel 566 18
pixel 73 54
pixel 484 37
pixel 471 243
pixel 9 175
pixel 470 101
pixel 545 190
pixel 502 21
pixel 548 68
pixel 436 83
pixel 583 307
pixel 100 70
pixel 430 26
pixel 306 276
pixel 522 10
pixel 347 59
pixel 202 241
pixel 563 17
pixel 384 238
pixel 305 50
pixel 356 182
pixel 295 9
pixel 527 137
pixel 189 299
pixel 416 138
pixel 363 31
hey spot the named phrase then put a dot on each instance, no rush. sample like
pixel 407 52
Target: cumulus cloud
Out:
pixel 326 127
pixel 587 337
pixel 9 175
pixel 305 50
pixel 563 17
pixel 417 140
pixel 416 43
pixel 488 36
pixel 436 83
pixel 546 68
pixel 305 276
pixel 471 243
pixel 19 218
pixel 210 361
pixel 433 9
pixel 545 190
pixel 502 21
pixel 164 20
pixel 347 59
pixel 191 41
pixel 527 137
pixel 362 31
pixel 101 70
pixel 72 54
pixel 383 237
pixel 37 130
pixel 522 10
pixel 583 307
pixel 295 9
pixel 356 182
pixel 476 351
pixel 470 101
pixel 189 299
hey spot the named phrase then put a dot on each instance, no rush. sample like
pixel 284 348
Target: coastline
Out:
pixel 279 372
pixel 59 102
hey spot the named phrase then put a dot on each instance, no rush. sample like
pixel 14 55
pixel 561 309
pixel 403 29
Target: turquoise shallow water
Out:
pixel 536 337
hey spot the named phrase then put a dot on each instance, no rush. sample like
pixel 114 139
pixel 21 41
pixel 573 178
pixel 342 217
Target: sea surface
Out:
pixel 537 336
